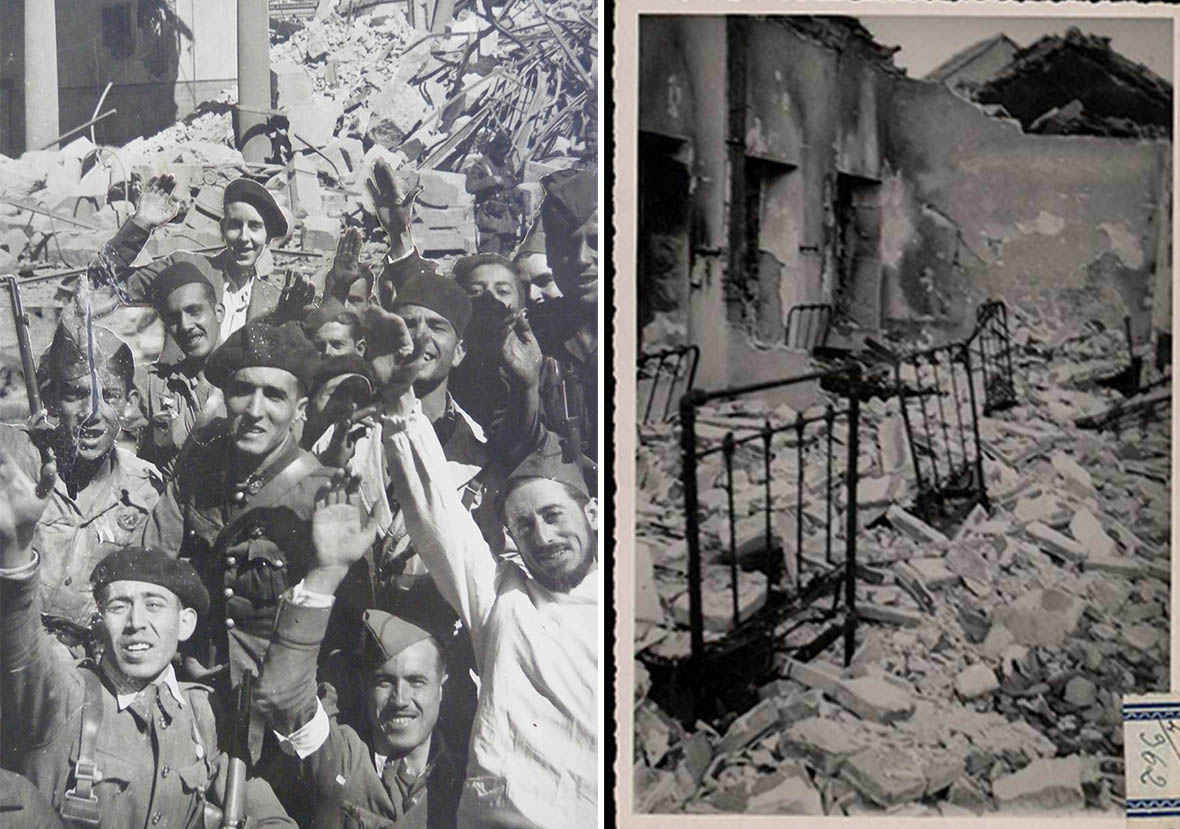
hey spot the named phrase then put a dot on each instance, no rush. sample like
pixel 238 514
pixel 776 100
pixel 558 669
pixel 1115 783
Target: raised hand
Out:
pixel 156 205
pixel 396 355
pixel 520 353
pixel 342 530
pixel 346 265
pixel 393 200
pixel 298 292
pixel 21 504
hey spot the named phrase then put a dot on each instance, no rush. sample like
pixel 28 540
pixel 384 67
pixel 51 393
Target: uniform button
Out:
pixel 229 624
pixel 229 592
pixel 156 818
pixel 280 564
pixel 239 497
pixel 69 580
pixel 165 771
pixel 230 561
pixel 191 533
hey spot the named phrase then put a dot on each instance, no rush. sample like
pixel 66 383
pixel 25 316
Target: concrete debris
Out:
pixel 991 653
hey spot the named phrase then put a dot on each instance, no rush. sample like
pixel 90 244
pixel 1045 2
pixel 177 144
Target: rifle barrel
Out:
pixel 21 320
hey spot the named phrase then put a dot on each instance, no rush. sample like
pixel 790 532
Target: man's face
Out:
pixel 443 349
pixel 192 320
pixel 497 280
pixel 262 403
pixel 87 436
pixel 539 277
pixel 142 623
pixel 574 258
pixel 244 233
pixel 555 535
pixel 358 296
pixel 333 339
pixel 405 695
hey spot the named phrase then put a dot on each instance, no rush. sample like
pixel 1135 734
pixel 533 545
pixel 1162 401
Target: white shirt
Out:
pixel 534 743
pixel 236 302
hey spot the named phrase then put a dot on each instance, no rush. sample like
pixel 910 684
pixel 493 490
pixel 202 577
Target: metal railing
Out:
pixel 788 594
pixel 671 369
pixel 936 394
pixel 807 325
pixel 993 346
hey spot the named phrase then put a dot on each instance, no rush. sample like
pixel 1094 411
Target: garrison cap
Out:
pixel 548 462
pixel 67 357
pixel 441 295
pixel 261 343
pixel 571 197
pixel 419 612
pixel 534 241
pixel 176 275
pixel 251 192
pixel 155 567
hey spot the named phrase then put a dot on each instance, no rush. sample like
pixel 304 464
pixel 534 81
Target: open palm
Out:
pixel 21 504
pixel 341 529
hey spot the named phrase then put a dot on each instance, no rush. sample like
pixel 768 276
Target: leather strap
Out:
pixel 79 805
pixel 271 492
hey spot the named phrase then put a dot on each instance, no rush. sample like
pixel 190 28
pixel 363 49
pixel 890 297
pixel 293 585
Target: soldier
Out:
pixel 533 265
pixel 492 274
pixel 402 770
pixel 103 494
pixel 179 397
pixel 335 330
pixel 120 742
pixel 247 284
pixel 240 505
pixel 535 627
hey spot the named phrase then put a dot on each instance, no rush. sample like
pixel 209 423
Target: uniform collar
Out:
pixel 263 267
pixel 167 679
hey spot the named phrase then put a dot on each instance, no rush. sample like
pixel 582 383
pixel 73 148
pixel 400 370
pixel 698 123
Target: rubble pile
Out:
pixel 990 658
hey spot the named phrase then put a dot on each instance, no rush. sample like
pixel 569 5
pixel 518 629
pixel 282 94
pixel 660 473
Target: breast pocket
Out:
pixel 355 817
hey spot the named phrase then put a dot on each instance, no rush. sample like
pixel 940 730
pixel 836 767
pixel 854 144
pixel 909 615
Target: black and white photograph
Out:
pixel 898 446
pixel 300 414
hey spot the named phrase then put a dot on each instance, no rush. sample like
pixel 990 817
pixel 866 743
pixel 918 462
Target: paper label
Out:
pixel 1151 750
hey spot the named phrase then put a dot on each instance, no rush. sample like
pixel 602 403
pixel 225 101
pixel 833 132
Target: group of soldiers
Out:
pixel 332 559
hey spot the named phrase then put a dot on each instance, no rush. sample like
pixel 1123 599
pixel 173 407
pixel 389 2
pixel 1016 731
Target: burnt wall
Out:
pixel 1070 225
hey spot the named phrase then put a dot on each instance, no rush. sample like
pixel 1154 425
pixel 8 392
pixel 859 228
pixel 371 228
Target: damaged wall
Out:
pixel 1068 224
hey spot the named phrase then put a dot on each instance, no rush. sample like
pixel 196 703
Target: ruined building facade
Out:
pixel 787 160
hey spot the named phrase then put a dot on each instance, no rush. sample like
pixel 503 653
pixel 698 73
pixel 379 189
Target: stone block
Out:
pixel 941 770
pixel 1088 530
pixel 1143 637
pixel 303 187
pixel 934 572
pixel 1108 594
pixel 655 790
pixel 291 83
pixel 873 698
pixel 814 675
pixel 1042 617
pixel 890 615
pixel 320 233
pixel 1044 785
pixel 314 121
pixel 1055 543
pixel 396 109
pixel 965 560
pixel 14 241
pixel 977 680
pixel 1081 692
pixel 823 744
pixel 915 527
pixel 886 777
pixel 717 599
pixel 443 189
pixel 1129 567
pixel 1072 471
pixel 793 795
pixel 750 726
pixel 893 446
pixel 997 640
pixel 965 794
pixel 877 492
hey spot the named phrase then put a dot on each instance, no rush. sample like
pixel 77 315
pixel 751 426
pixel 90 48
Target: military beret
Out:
pixel 341 365
pixel 571 197
pixel 443 296
pixel 154 567
pixel 182 272
pixel 251 192
pixel 67 355
pixel 260 343
pixel 548 462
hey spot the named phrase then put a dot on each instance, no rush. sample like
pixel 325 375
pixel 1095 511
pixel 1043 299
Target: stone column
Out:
pixel 41 115
pixel 253 79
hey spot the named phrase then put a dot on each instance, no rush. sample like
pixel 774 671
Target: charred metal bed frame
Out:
pixel 949 481
pixel 992 343
pixel 814 319
pixel 676 358
pixel 745 654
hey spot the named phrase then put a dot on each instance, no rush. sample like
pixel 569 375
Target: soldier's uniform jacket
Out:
pixel 348 789
pixel 577 398
pixel 71 541
pixel 172 400
pixel 249 541
pixel 157 754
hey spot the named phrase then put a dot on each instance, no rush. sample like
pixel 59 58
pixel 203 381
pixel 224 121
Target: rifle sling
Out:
pixel 271 492
pixel 79 805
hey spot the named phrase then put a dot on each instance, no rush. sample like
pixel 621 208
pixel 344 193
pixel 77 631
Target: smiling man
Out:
pixel 239 507
pixel 179 398
pixel 121 742
pixel 401 770
pixel 103 493
pixel 244 276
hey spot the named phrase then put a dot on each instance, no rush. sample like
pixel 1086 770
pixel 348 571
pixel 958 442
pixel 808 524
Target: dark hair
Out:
pixel 356 328
pixel 207 290
pixel 467 264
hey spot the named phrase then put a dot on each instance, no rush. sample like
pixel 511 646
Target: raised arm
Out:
pixel 112 267
pixel 39 689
